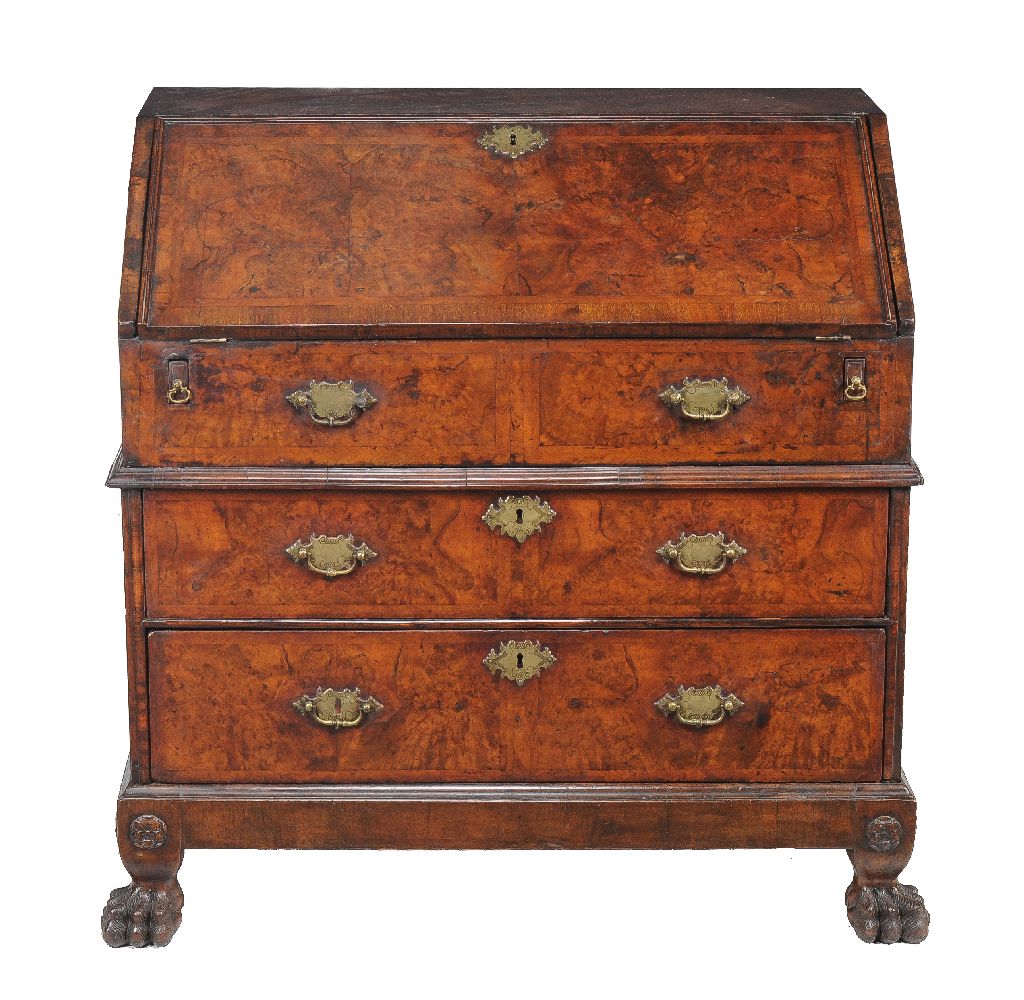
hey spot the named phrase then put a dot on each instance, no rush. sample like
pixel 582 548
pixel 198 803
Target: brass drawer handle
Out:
pixel 179 393
pixel 519 517
pixel 703 399
pixel 855 389
pixel 701 554
pixel 332 404
pixel 337 709
pixel 331 555
pixel 699 707
pixel 519 661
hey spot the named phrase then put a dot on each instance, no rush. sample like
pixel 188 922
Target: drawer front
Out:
pixel 594 405
pixel 595 402
pixel 422 404
pixel 602 554
pixel 792 705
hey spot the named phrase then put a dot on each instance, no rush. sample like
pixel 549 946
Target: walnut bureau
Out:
pixel 514 469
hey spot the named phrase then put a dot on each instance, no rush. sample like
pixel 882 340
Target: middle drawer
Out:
pixel 432 555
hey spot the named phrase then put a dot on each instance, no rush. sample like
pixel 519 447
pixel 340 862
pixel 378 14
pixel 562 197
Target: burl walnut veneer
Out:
pixel 514 469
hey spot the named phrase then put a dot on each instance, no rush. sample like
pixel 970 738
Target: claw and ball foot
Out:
pixel 139 916
pixel 887 913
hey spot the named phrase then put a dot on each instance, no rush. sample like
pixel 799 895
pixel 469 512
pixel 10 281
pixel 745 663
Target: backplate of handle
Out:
pixel 703 398
pixel 698 708
pixel 332 404
pixel 336 709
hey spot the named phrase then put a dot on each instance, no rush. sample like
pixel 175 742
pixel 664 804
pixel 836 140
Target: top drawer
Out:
pixel 539 402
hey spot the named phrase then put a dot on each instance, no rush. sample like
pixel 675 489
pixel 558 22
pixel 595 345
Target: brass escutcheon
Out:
pixel 701 554
pixel 332 404
pixel 512 141
pixel 703 399
pixel 331 555
pixel 337 709
pixel 519 661
pixel 699 707
pixel 518 517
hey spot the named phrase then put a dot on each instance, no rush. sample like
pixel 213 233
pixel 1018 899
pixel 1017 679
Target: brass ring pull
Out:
pixel 331 555
pixel 699 708
pixel 179 393
pixel 701 554
pixel 337 709
pixel 332 404
pixel 703 399
pixel 855 389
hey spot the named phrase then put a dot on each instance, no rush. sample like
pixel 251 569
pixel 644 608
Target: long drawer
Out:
pixel 425 554
pixel 534 402
pixel 619 705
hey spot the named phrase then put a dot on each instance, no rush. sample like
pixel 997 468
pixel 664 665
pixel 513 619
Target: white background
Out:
pixel 506 924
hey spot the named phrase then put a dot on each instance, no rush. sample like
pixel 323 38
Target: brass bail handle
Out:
pixel 698 708
pixel 703 398
pixel 337 709
pixel 332 404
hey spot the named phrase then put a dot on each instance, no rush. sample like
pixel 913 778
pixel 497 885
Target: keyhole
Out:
pixel 512 139
pixel 519 661
pixel 519 515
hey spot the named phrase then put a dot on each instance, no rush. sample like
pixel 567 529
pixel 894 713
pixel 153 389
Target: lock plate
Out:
pixel 519 517
pixel 512 141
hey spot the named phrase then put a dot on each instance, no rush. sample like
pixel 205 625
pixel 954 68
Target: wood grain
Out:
pixel 221 707
pixel 551 815
pixel 222 555
pixel 450 403
pixel 262 225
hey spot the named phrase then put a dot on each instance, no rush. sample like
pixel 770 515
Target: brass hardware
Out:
pixel 838 336
pixel 337 709
pixel 855 389
pixel 701 554
pixel 518 517
pixel 331 555
pixel 332 404
pixel 703 399
pixel 699 707
pixel 519 661
pixel 855 379
pixel 179 393
pixel 512 141
pixel 208 340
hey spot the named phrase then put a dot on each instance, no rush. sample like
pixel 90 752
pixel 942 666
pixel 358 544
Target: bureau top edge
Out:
pixel 276 214
pixel 471 102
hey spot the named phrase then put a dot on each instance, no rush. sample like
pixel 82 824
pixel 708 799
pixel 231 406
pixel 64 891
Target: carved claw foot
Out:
pixel 887 913
pixel 139 916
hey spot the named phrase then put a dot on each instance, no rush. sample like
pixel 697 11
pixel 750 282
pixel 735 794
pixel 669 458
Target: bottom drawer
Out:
pixel 223 705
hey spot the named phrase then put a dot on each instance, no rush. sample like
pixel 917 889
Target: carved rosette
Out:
pixel 884 834
pixel 147 832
